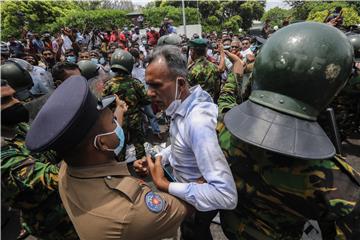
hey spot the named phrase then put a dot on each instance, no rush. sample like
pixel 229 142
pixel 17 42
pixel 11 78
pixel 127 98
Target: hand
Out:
pixel 123 107
pixel 141 167
pixel 332 22
pixel 59 41
pixel 157 173
pixel 233 57
pixel 220 47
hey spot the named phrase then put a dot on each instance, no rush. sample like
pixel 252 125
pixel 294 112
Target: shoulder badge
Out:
pixel 154 202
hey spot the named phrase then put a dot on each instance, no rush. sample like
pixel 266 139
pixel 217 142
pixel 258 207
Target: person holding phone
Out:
pixel 202 175
pixel 100 196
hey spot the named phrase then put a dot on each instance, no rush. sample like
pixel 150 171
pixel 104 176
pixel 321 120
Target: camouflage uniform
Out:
pixel 205 73
pixel 278 194
pixel 235 91
pixel 285 167
pixel 132 91
pixel 29 183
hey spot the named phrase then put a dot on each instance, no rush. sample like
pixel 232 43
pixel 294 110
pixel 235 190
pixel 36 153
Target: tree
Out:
pixel 229 14
pixel 351 17
pixel 155 15
pixel 91 19
pixel 302 9
pixel 276 16
pixel 19 16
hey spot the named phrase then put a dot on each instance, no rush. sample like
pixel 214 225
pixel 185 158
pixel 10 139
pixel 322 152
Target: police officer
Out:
pixel 29 180
pixel 283 163
pixel 202 71
pixel 133 93
pixel 101 198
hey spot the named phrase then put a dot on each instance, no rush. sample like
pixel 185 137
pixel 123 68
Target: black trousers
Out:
pixel 197 226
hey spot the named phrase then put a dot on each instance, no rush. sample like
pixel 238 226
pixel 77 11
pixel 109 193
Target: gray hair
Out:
pixel 95 81
pixel 175 60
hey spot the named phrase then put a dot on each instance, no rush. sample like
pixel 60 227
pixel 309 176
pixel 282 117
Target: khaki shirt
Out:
pixel 105 202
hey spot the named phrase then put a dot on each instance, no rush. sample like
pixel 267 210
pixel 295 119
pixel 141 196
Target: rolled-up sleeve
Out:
pixel 219 191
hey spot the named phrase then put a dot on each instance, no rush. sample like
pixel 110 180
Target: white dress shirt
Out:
pixel 195 152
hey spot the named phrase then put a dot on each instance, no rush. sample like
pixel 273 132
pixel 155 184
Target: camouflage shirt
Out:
pixel 131 90
pixel 235 91
pixel 29 183
pixel 278 194
pixel 207 75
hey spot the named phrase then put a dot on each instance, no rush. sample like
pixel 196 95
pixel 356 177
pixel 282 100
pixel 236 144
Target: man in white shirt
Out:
pixel 248 55
pixel 203 177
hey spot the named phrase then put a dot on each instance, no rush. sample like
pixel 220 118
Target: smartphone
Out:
pixel 167 169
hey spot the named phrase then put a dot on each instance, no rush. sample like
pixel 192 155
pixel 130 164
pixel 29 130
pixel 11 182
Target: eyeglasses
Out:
pixel 236 47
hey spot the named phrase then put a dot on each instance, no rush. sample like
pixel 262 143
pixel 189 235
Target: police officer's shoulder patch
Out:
pixel 154 202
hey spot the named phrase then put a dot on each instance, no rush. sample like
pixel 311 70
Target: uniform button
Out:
pixel 108 177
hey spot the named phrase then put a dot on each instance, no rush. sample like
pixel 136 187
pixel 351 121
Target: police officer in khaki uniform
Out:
pixel 101 198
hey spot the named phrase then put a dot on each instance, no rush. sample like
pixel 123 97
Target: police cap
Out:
pixel 66 117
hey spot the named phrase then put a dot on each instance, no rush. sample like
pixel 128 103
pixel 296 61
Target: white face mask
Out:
pixel 174 105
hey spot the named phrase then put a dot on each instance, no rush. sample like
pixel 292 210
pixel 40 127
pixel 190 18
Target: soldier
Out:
pixel 95 75
pixel 88 69
pixel 201 71
pixel 283 163
pixel 170 39
pixel 237 87
pixel 29 181
pixel 133 93
pixel 101 198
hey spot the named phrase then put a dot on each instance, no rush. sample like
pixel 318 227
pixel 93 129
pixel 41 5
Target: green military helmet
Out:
pixel 88 69
pixel 297 73
pixel 122 60
pixel 16 76
pixel 170 39
pixel 300 69
pixel 355 42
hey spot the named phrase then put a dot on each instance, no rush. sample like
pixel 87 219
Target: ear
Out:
pixel 100 143
pixel 181 81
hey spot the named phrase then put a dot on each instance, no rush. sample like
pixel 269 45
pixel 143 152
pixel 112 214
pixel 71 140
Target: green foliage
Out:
pixel 350 15
pixel 217 15
pixel 276 16
pixel 301 10
pixel 155 15
pixel 18 16
pixel 233 23
pixel 250 10
pixel 99 19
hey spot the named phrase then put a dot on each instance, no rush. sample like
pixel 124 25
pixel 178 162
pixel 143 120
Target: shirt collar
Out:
pixel 183 108
pixel 101 170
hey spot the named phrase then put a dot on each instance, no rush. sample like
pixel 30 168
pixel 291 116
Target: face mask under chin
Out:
pixel 174 105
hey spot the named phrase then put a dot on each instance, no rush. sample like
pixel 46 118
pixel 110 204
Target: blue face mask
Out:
pixel 94 60
pixel 71 59
pixel 120 135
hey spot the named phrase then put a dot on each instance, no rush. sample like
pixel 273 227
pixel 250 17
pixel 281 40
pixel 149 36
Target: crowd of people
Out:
pixel 243 137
